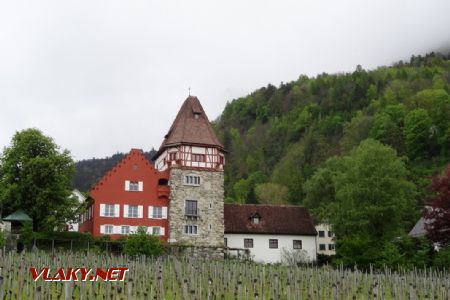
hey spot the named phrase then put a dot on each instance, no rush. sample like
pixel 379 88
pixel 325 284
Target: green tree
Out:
pixel 369 187
pixel 271 193
pixel 140 243
pixel 36 176
pixel 320 188
pixel 418 133
pixel 374 187
pixel 355 131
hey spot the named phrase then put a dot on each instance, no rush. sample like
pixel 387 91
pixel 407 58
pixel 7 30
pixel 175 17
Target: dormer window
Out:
pixel 255 218
pixel 197 116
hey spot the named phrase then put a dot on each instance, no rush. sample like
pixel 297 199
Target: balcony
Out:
pixel 163 191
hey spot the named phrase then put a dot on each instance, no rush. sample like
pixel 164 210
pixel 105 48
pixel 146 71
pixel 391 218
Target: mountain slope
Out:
pixel 282 134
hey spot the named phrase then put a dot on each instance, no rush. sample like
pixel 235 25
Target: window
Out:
pixel 225 242
pixel 322 247
pixel 273 243
pixel 191 208
pixel 109 229
pixel 133 211
pixel 297 244
pixel 248 243
pixel 321 233
pixel 330 233
pixel 172 156
pixel 157 212
pixel 134 186
pixel 156 230
pixel 125 229
pixel 109 210
pixel 221 159
pixel 198 157
pixel 192 180
pixel 255 220
pixel 163 181
pixel 330 246
pixel 190 229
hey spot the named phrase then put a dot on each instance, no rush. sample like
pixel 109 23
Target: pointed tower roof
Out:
pixel 191 126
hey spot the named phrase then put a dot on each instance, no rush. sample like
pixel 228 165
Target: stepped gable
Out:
pixel 191 126
pixel 274 219
pixel 120 164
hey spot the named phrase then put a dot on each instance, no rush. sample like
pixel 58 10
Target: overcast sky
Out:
pixel 107 76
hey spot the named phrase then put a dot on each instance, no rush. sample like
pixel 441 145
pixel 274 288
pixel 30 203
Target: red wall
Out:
pixel 111 190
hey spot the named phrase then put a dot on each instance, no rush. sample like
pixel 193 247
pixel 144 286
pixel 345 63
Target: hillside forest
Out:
pixel 279 137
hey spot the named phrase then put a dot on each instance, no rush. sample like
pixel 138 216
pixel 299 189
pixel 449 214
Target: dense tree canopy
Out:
pixel 287 132
pixel 36 177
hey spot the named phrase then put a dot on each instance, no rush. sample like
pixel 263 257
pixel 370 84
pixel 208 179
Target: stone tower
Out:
pixel 195 159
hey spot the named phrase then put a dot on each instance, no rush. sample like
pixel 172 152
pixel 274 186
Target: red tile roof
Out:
pixel 191 126
pixel 274 219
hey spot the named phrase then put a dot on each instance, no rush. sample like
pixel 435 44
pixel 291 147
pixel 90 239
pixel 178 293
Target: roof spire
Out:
pixel 191 126
pixel 189 91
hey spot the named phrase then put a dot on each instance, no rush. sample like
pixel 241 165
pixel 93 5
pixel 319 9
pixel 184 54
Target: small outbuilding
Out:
pixel 17 219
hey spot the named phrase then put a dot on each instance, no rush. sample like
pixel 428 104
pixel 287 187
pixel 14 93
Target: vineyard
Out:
pixel 172 278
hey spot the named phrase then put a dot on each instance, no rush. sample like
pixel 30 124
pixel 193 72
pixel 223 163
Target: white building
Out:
pixel 325 240
pixel 73 226
pixel 266 231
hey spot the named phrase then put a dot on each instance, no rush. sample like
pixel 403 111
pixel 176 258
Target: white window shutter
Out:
pixel 164 212
pixel 133 229
pixel 125 211
pixel 116 210
pixel 102 228
pixel 117 230
pixel 127 185
pixel 149 229
pixel 162 231
pixel 140 211
pixel 141 186
pixel 102 210
pixel 150 211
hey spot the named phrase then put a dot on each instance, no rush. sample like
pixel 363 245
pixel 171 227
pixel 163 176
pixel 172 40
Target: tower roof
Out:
pixel 191 126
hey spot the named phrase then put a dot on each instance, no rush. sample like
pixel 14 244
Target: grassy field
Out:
pixel 171 278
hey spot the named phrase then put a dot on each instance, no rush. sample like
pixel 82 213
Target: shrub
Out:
pixel 294 257
pixel 442 259
pixel 140 243
pixel 2 239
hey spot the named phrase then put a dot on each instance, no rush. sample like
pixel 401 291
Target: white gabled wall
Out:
pixel 261 251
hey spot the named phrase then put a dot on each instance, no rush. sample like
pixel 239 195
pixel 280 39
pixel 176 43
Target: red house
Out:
pixel 131 194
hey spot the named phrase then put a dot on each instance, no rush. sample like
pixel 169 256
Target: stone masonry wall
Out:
pixel 210 197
